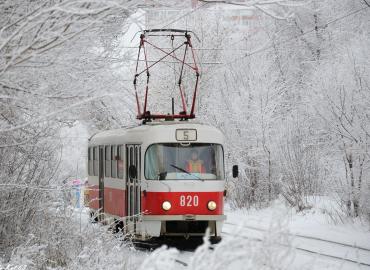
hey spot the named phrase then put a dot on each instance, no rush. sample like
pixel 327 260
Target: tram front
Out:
pixel 184 181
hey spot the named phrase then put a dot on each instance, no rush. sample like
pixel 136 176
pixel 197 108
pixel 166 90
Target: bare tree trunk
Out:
pixel 269 176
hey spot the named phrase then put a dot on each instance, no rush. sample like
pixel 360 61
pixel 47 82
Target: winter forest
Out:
pixel 286 81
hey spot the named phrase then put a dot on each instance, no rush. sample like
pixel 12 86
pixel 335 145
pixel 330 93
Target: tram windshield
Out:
pixel 175 161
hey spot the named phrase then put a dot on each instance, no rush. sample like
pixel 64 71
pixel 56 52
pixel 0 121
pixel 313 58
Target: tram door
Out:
pixel 101 183
pixel 133 185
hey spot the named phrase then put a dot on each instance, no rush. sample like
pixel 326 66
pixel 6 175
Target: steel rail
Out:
pixel 305 250
pixel 306 237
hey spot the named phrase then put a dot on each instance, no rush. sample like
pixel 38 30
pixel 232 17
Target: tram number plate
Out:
pixel 186 134
pixel 189 200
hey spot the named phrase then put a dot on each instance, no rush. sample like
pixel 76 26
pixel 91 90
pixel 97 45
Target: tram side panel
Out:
pixel 114 198
pixel 114 187
pixel 114 182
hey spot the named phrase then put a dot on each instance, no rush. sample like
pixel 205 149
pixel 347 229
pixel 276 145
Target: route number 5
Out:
pixel 186 134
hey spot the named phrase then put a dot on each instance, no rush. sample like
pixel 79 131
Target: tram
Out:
pixel 164 177
pixel 159 179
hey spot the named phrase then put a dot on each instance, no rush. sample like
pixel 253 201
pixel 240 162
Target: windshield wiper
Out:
pixel 185 171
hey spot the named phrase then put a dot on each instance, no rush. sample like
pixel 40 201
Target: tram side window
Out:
pixel 108 161
pixel 120 161
pixel 96 161
pixel 90 161
pixel 114 161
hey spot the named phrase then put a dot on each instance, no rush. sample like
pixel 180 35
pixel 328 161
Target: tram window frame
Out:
pixel 95 161
pixel 114 161
pixel 120 155
pixel 107 163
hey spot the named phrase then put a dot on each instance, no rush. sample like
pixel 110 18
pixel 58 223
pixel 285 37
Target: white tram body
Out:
pixel 140 176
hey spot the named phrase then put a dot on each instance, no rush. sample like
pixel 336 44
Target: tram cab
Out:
pixel 159 179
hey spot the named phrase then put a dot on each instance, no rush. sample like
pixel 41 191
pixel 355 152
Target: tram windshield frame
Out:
pixel 179 161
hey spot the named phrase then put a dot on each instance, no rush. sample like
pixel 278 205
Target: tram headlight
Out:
pixel 166 205
pixel 211 205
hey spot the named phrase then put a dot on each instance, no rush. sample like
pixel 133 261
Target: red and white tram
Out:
pixel 160 179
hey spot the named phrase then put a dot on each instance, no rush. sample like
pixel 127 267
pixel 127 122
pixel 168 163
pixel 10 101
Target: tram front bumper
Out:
pixel 183 217
pixel 181 225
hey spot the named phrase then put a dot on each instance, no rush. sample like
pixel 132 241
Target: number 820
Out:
pixel 189 200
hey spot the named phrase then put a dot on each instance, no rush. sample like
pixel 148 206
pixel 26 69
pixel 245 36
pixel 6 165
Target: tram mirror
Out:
pixel 132 171
pixel 162 175
pixel 235 171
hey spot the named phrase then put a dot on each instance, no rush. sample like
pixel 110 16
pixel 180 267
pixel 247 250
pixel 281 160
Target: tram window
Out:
pixel 96 161
pixel 108 166
pixel 120 164
pixel 139 166
pixel 90 161
pixel 173 161
pixel 114 161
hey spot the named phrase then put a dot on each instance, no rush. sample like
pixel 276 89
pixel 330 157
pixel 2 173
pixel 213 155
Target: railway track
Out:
pixel 327 241
pixel 306 237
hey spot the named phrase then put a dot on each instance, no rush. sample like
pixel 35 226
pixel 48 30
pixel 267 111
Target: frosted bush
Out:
pixel 235 251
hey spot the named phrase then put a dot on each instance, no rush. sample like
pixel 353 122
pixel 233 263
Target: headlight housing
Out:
pixel 211 205
pixel 166 205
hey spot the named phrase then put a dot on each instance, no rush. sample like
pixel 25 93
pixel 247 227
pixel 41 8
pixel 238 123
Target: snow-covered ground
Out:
pixel 315 240
pixel 272 238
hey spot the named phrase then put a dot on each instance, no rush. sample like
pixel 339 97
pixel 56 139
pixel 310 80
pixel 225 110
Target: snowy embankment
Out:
pixel 277 238
pixel 316 241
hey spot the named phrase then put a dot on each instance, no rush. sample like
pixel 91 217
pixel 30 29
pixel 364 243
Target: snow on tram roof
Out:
pixel 160 131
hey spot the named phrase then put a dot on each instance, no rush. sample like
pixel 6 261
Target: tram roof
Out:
pixel 156 132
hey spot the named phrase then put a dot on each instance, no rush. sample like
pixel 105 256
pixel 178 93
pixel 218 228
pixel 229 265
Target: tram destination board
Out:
pixel 186 134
